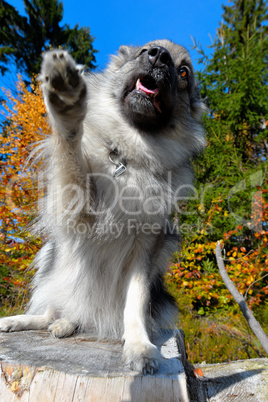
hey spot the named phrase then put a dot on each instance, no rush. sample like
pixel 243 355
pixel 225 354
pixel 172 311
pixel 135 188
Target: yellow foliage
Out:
pixel 25 124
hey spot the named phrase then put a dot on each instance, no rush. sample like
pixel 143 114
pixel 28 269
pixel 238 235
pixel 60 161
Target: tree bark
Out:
pixel 253 323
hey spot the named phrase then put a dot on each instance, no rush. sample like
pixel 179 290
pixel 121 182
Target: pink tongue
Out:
pixel 147 90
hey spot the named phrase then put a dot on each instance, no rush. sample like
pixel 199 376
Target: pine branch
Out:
pixel 253 323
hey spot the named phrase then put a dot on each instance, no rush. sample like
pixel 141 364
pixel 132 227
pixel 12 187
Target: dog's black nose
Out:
pixel 159 56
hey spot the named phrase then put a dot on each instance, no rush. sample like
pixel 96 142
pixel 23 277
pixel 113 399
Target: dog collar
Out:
pixel 120 166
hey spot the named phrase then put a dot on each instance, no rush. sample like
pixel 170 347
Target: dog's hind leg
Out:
pixel 26 322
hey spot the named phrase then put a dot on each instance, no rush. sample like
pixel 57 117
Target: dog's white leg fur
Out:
pixel 61 328
pixel 26 322
pixel 139 352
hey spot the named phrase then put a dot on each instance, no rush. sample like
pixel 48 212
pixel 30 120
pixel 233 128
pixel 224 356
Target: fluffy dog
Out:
pixel 113 169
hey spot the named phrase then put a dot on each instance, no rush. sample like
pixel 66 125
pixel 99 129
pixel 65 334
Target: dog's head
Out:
pixel 156 84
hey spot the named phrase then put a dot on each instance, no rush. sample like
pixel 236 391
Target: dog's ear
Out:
pixel 124 54
pixel 198 106
pixel 125 51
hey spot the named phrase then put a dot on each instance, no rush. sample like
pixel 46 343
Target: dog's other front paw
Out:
pixel 63 83
pixel 61 328
pixel 142 357
pixel 10 324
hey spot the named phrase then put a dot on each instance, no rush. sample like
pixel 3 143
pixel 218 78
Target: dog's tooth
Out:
pixel 137 83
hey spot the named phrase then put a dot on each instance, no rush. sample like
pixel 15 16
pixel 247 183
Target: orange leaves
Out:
pixel 226 236
pixel 198 372
pixel 197 274
pixel 25 124
pixel 195 270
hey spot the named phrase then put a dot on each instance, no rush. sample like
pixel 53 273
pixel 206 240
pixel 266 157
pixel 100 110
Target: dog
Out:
pixel 113 169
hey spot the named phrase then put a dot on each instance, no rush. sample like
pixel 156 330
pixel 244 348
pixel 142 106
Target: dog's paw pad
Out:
pixel 56 81
pixel 64 75
pixel 62 78
pixel 73 76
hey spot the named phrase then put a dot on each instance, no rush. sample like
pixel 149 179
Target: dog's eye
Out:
pixel 183 73
pixel 142 51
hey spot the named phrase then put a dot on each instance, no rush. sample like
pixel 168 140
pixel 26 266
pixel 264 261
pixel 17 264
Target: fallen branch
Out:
pixel 253 323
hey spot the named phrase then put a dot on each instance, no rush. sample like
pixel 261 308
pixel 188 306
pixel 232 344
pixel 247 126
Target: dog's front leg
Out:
pixel 139 352
pixel 65 95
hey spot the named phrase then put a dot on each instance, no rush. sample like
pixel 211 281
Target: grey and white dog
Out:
pixel 113 169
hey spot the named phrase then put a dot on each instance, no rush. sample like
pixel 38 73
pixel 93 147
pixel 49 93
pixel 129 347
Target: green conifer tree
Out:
pixel 234 83
pixel 23 39
pixel 234 79
pixel 230 200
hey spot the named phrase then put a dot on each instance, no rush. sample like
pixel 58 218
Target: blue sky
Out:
pixel 114 23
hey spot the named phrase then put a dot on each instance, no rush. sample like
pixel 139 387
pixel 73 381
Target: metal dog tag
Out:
pixel 119 170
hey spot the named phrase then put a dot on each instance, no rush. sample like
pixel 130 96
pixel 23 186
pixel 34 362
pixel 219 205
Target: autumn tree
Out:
pixel 26 124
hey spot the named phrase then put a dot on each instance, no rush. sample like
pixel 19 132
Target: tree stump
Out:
pixel 36 367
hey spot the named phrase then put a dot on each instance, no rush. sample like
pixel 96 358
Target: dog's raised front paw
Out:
pixel 62 80
pixel 142 357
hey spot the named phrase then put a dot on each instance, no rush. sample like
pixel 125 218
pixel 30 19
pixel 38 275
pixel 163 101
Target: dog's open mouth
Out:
pixel 148 86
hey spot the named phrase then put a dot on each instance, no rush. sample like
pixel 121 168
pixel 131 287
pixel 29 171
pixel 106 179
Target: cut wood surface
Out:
pixel 34 367
pixel 37 367
pixel 238 381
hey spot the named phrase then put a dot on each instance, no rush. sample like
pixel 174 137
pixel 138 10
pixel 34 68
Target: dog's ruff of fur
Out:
pixel 108 239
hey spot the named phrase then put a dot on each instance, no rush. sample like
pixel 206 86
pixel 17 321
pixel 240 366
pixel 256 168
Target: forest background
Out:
pixel 229 201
